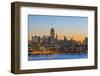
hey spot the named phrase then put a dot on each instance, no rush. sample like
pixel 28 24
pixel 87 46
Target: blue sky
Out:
pixel 40 25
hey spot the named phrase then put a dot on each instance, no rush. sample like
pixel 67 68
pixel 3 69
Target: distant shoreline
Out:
pixel 49 52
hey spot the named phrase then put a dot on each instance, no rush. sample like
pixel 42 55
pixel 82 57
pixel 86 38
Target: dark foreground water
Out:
pixel 56 56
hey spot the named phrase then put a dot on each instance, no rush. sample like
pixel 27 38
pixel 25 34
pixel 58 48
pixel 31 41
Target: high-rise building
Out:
pixel 52 32
pixel 56 37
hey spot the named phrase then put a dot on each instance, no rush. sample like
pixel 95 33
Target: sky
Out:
pixel 70 26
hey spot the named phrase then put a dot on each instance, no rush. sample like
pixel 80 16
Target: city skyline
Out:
pixel 69 26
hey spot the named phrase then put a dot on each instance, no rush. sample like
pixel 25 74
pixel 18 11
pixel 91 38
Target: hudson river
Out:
pixel 57 56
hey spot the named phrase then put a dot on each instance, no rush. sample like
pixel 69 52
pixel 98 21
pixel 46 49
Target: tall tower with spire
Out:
pixel 52 32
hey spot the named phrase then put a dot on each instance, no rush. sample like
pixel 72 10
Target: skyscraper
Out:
pixel 52 32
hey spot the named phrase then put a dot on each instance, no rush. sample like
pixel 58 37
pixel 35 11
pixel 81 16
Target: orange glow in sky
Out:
pixel 77 37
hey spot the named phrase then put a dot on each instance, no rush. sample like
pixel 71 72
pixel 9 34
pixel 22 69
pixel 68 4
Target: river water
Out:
pixel 57 56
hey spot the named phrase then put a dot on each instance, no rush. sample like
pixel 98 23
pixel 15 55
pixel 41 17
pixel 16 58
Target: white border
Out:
pixel 25 64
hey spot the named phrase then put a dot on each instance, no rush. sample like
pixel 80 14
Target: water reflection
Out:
pixel 57 56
